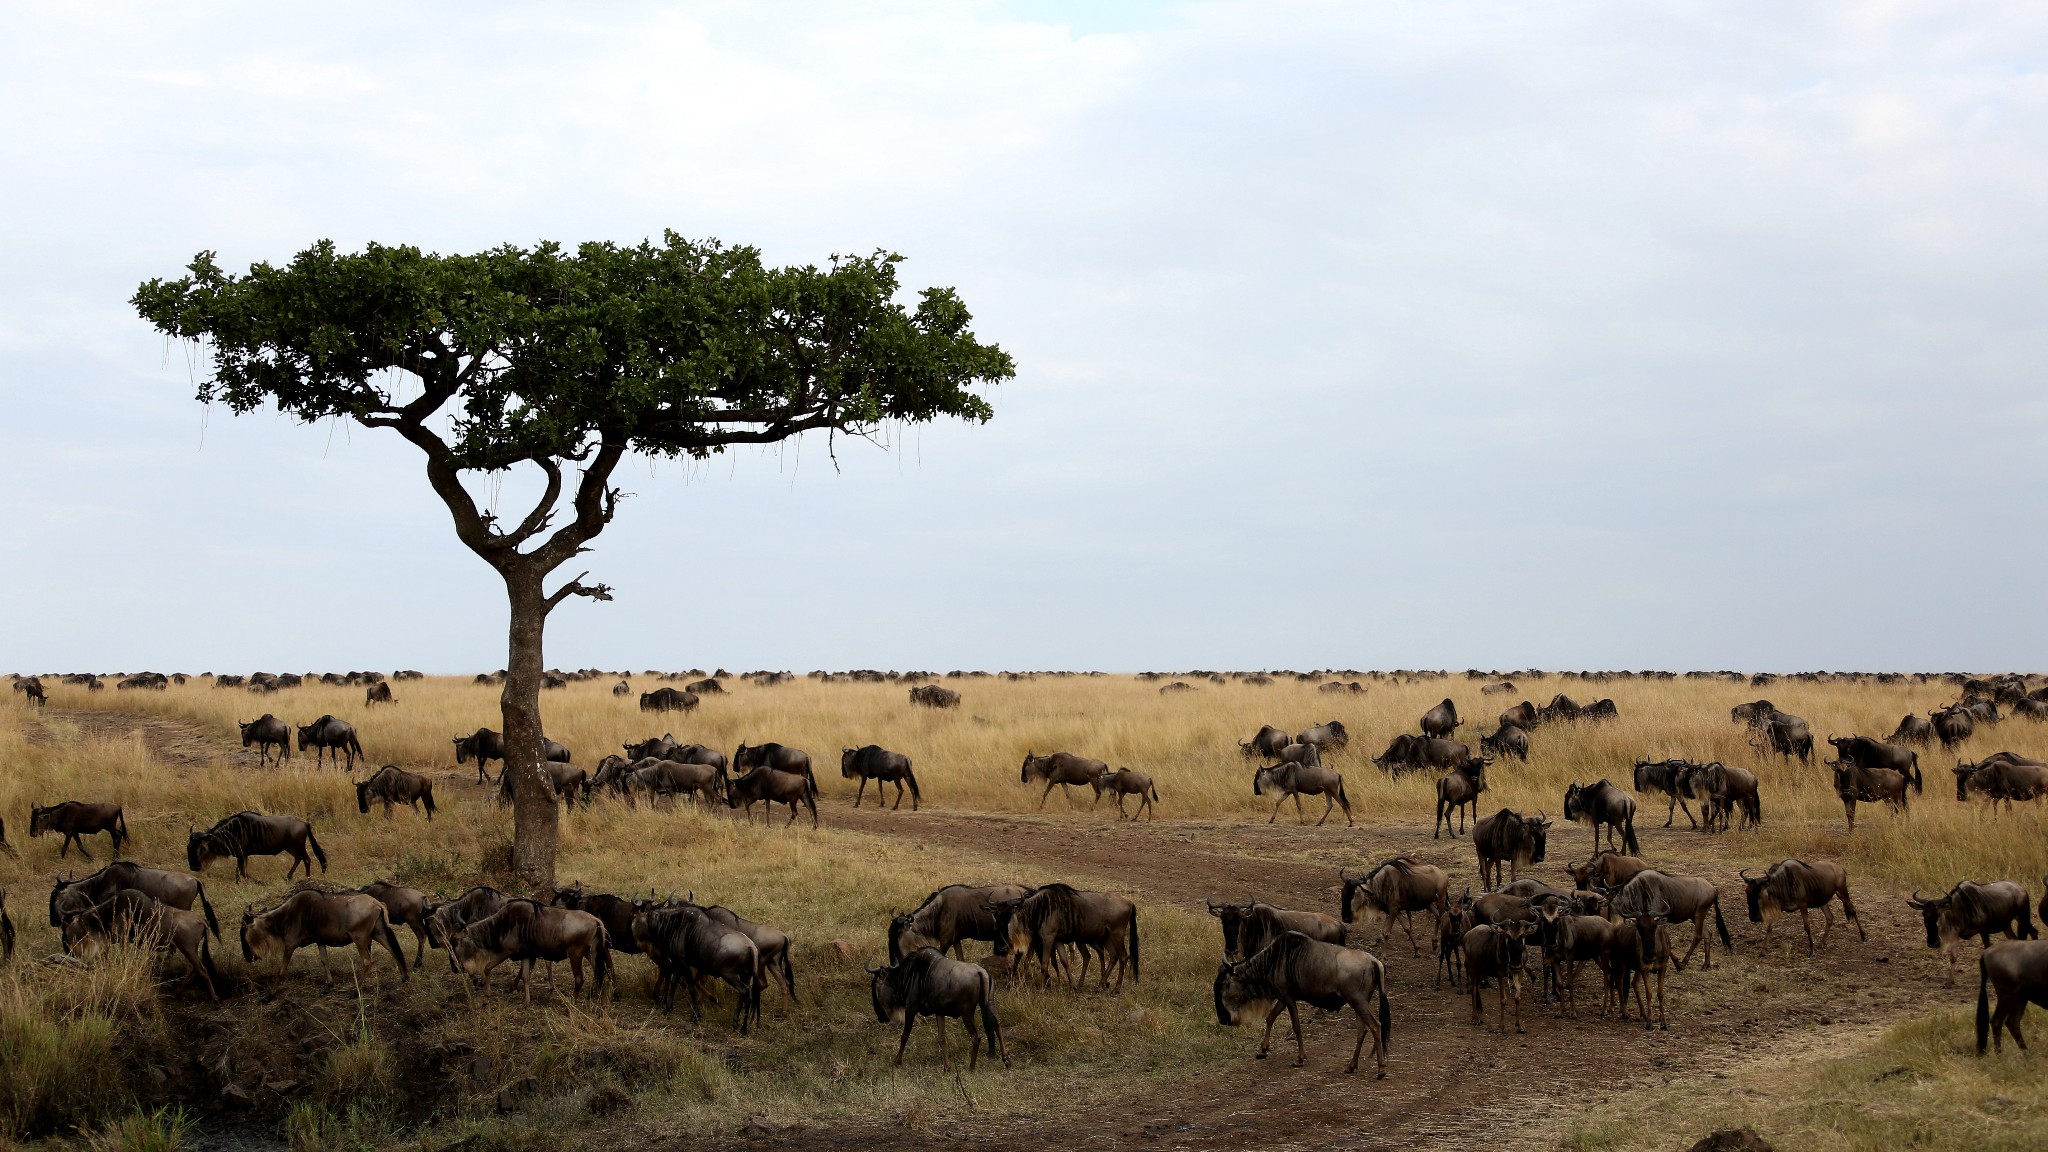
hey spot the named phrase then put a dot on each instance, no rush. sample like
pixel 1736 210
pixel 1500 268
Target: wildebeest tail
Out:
pixel 1918 783
pixel 1134 945
pixel 601 960
pixel 1983 1005
pixel 788 973
pixel 1721 925
pixel 1849 906
pixel 391 942
pixel 991 1029
pixel 2025 928
pixel 206 962
pixel 121 823
pixel 1628 835
pixel 910 778
pixel 427 797
pixel 1341 797
pixel 1386 1012
pixel 1755 803
pixel 6 936
pixel 313 842
pixel 212 924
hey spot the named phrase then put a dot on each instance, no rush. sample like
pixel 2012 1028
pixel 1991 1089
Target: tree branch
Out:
pixel 576 587
pixel 544 511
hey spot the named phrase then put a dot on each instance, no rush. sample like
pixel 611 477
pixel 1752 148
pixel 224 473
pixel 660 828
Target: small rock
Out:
pixel 1733 1140
pixel 843 949
pixel 1140 1015
pixel 236 1093
pixel 605 1099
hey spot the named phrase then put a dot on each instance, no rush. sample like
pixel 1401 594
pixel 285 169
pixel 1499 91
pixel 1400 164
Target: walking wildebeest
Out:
pixel 1602 805
pixel 1756 713
pixel 1854 782
pixel 622 688
pixel 325 920
pixel 394 785
pixel 874 762
pixel 928 983
pixel 525 931
pixel 1668 777
pixel 1496 952
pixel 948 917
pixel 328 734
pixel 1507 740
pixel 1060 768
pixel 1330 735
pixel 2002 776
pixel 684 942
pixel 1294 969
pixel 616 913
pixel 1252 925
pixel 1868 753
pixel 1912 729
pixel 1953 725
pixel 378 693
pixel 1295 779
pixel 447 918
pixel 1456 791
pixel 1267 742
pixel 780 757
pixel 2019 970
pixel 402 905
pixel 265 731
pixel 1509 837
pixel 1396 888
pixel 1722 790
pixel 485 746
pixel 667 700
pixel 178 891
pixel 128 916
pixel 668 778
pixel 1685 898
pixel 1978 910
pixel 1039 923
pixel 773 944
pixel 74 820
pixel 1441 720
pixel 1561 707
pixel 772 786
pixel 247 834
pixel 1611 869
pixel 1126 782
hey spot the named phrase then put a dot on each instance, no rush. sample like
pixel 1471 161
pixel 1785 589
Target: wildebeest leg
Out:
pixel 1266 1041
pixel 909 1023
pixel 1300 814
pixel 1827 912
pixel 1045 795
pixel 863 791
pixel 1329 803
pixel 945 1061
pixel 1806 922
pixel 325 970
pixel 1276 811
pixel 1300 1046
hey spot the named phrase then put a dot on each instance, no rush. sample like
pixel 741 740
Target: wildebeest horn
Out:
pixel 1745 875
pixel 1344 874
pixel 871 971
pixel 1915 900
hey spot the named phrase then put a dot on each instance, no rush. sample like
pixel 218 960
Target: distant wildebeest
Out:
pixel 1496 952
pixel 1686 898
pixel 1794 885
pixel 127 916
pixel 1060 768
pixel 1603 805
pixel 1507 740
pixel 1953 725
pixel 525 931
pixel 2002 776
pixel 378 693
pixel 484 746
pixel 1396 889
pixel 76 819
pixel 1561 707
pixel 1037 925
pixel 933 696
pixel 1972 909
pixel 2030 708
pixel 1441 720
pixel 1327 736
pixel 1457 791
pixel 1755 714
pixel 394 785
pixel 1668 777
pixel 177 890
pixel 263 732
pixel 949 917
pixel 2019 970
pixel 1294 969
pixel 1496 689
pixel 1285 780
pixel 402 905
pixel 247 834
pixel 686 944
pixel 772 786
pixel 1599 710
pixel 1854 783
pixel 1723 790
pixel 1523 716
pixel 1252 925
pixel 447 918
pixel 927 983
pixel 325 920
pixel 329 734
pixel 667 700
pixel 622 688
pixel 1126 782
pixel 1177 686
pixel 708 686
pixel 31 688
pixel 1508 837
pixel 1912 729
pixel 873 762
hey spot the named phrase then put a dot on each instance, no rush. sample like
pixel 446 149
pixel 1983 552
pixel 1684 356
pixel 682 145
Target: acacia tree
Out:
pixel 559 361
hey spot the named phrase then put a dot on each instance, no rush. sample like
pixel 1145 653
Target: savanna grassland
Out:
pixel 97 1052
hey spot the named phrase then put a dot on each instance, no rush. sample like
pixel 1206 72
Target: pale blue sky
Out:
pixel 1420 334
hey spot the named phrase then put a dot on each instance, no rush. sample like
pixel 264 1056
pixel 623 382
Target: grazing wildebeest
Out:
pixel 1039 923
pixel 1953 725
pixel 1978 910
pixel 1685 898
pixel 928 983
pixel 1523 716
pixel 378 693
pixel 1268 741
pixel 622 688
pixel 1252 925
pixel 1602 805
pixel 1668 777
pixel 178 891
pixel 1126 782
pixel 669 778
pixel 1611 869
pixel 684 943
pixel 2003 776
pixel 1854 782
pixel 1441 720
pixel 247 834
pixel 933 696
pixel 874 762
pixel 1912 729
pixel 1062 768
pixel 1722 790
pixel 325 920
pixel 1509 837
pixel 1456 791
pixel 1396 889
pixel 76 819
pixel 1294 780
pixel 525 931
pixel 616 912
pixel 1496 689
pixel 2019 970
pixel 485 746
pixel 773 944
pixel 1756 713
pixel 1294 969
pixel 1561 707
pixel 1439 754
pixel 447 918
pixel 657 747
pixel 2030 708
pixel 1788 736
pixel 1330 735
pixel 128 916
pixel 667 700
pixel 1506 740
pixel 1496 952
pixel 402 905
pixel 394 785
pixel 1639 951
pixel 772 786
pixel 1403 754
pixel 264 731
pixel 329 734
pixel 948 917
pixel 1599 710
pixel 31 688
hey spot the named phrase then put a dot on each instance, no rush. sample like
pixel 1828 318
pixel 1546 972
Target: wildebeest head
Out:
pixel 248 737
pixel 1232 917
pixel 1010 934
pixel 1024 773
pixel 463 744
pixel 1933 913
pixel 252 933
pixel 363 797
pixel 1753 891
pixel 196 855
pixel 39 820
pixel 846 756
pixel 1573 801
pixel 1537 829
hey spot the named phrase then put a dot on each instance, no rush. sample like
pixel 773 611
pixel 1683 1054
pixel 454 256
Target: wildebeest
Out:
pixel 1329 735
pixel 874 762
pixel 1441 720
pixel 622 688
pixel 2019 970
pixel 325 920
pixel 1610 869
pixel 2002 776
pixel 927 983
pixel 6 930
pixel 1038 924
pixel 1523 716
pixel 31 688
pixel 669 778
pixel 1294 969
pixel 1496 952
pixel 1953 725
pixel 1788 736
pixel 447 918
pixel 950 916
pixel 1268 741
pixel 484 745
pixel 1756 713
pixel 1668 777
pixel 402 905
pixel 378 693
pixel 1252 925
pixel 1868 753
pixel 1294 780
pixel 933 696
pixel 128 916
pixel 329 734
pixel 780 757
pixel 1507 740
pixel 1561 707
pixel 1722 790
pixel 1127 782
pixel 1912 729
pixel 176 890
pixel 1403 754
pixel 772 786
pixel 1640 951
pixel 1602 805
pixel 1599 710
pixel 773 944
pixel 247 834
pixel 1570 940
pixel 264 732
pixel 1456 791
pixel 525 931
pixel 1509 837
pixel 616 913
pixel 1685 898
pixel 1060 768
pixel 1972 909
pixel 684 943
pixel 74 820
pixel 394 785
pixel 667 700
pixel 1854 783
pixel 1396 889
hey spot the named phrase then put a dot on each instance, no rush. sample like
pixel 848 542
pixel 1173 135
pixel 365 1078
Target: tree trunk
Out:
pixel 535 816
